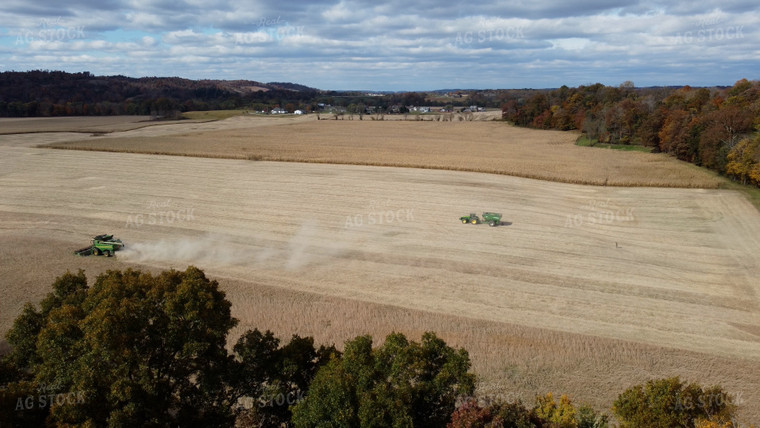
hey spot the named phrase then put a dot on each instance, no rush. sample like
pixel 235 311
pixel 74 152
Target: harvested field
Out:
pixel 103 125
pixel 511 361
pixel 87 124
pixel 583 290
pixel 490 147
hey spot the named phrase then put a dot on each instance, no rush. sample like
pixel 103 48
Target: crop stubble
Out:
pixel 565 298
pixel 490 147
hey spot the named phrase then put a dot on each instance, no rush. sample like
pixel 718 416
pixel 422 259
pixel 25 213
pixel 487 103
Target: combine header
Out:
pixel 102 245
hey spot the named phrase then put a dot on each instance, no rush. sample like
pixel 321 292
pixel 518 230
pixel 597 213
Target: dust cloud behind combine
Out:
pixel 218 251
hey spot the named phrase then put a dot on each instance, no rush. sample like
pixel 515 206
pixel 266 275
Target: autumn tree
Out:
pixel 697 100
pixel 561 118
pixel 587 417
pixel 613 119
pixel 509 111
pixel 738 94
pixel 677 99
pixel 537 105
pixel 498 414
pixel 744 161
pixel 669 402
pixel 678 135
pixel 560 414
pixel 471 415
pixel 137 349
pixel 722 131
pixel 275 378
pixel 594 127
pixel 401 383
pixel 547 413
pixel 632 114
pixel 648 132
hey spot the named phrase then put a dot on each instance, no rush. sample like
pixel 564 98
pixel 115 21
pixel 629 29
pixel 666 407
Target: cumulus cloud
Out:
pixel 394 45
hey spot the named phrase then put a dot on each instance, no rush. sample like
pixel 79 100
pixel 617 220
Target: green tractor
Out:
pixel 102 245
pixel 493 219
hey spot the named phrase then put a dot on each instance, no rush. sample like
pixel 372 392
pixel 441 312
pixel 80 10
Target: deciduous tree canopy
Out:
pixel 702 126
pixel 137 349
pixel 401 383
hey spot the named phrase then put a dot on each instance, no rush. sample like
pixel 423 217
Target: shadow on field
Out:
pixel 501 223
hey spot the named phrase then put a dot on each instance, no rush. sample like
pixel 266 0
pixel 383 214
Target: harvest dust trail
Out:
pixel 221 251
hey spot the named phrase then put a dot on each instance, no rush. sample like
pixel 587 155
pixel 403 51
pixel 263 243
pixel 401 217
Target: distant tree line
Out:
pixel 136 349
pixel 42 93
pixel 57 93
pixel 716 128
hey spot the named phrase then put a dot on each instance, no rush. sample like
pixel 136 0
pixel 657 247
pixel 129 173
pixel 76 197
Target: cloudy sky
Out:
pixel 392 45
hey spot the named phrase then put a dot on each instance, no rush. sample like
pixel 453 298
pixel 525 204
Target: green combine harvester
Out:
pixel 102 245
pixel 493 219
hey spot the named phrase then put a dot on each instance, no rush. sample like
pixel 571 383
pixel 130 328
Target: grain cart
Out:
pixel 102 245
pixel 493 219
